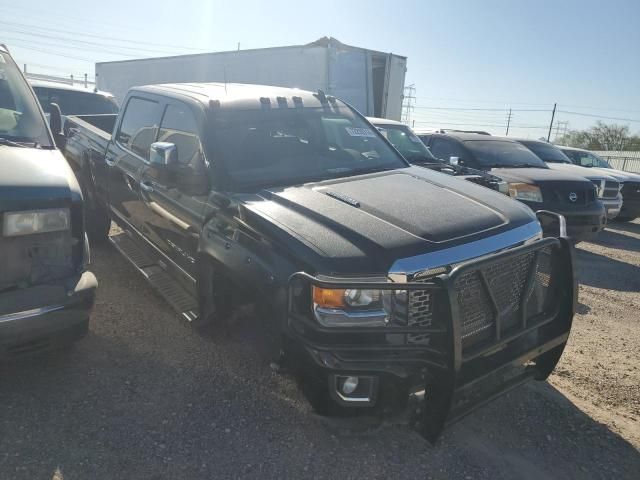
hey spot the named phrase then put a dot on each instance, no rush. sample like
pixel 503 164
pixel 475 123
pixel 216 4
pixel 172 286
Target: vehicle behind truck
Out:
pixel 529 179
pixel 607 186
pixel 629 182
pixel 385 287
pixel 46 291
pixel 415 152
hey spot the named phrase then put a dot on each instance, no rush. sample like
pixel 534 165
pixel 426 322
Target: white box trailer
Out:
pixel 371 81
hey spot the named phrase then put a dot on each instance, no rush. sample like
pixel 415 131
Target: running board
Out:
pixel 181 301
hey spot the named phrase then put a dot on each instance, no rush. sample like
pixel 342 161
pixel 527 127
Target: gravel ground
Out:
pixel 144 397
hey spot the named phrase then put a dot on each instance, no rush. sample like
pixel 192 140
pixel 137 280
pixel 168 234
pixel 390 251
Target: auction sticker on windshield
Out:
pixel 360 132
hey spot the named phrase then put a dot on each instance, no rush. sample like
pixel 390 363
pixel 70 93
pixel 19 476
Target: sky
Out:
pixel 470 61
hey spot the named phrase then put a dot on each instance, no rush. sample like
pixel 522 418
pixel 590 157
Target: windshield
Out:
pixel 547 152
pixel 407 143
pixel 498 153
pixel 587 159
pixel 283 147
pixel 20 118
pixel 72 102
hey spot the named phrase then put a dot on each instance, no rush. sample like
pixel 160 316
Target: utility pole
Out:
pixel 508 123
pixel 407 106
pixel 553 114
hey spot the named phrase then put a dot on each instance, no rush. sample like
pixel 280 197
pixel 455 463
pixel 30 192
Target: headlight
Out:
pixel 334 307
pixel 35 221
pixel 526 192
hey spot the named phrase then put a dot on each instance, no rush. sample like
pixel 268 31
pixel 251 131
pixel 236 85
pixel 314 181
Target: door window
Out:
pixel 139 126
pixel 180 127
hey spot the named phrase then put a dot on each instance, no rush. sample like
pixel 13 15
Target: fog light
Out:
pixel 349 386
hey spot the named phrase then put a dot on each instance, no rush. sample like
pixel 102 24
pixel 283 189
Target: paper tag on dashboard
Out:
pixel 360 132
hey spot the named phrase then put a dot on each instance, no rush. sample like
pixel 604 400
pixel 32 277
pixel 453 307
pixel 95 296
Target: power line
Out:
pixel 101 37
pixel 481 109
pixel 600 116
pixel 76 42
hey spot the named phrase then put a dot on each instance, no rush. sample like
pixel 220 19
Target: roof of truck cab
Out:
pixel 234 95
pixel 384 121
pixel 562 147
pixel 463 136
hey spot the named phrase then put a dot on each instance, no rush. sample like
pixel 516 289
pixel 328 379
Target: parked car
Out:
pixel 415 152
pixel 607 186
pixel 72 99
pixel 382 285
pixel 630 182
pixel 530 180
pixel 46 291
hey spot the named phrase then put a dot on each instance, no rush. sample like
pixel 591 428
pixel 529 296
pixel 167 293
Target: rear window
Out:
pixel 73 102
pixel 497 153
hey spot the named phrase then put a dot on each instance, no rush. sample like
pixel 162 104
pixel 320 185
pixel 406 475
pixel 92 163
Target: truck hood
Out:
pixel 363 223
pixel 588 173
pixel 536 175
pixel 34 178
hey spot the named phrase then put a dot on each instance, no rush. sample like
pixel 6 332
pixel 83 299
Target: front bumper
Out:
pixel 441 380
pixel 583 222
pixel 46 316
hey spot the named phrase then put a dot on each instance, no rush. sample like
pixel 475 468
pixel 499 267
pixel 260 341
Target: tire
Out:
pixel 97 221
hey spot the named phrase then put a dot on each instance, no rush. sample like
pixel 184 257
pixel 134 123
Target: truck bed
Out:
pixel 87 138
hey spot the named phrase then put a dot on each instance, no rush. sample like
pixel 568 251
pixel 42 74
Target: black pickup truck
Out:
pixel 46 292
pixel 385 286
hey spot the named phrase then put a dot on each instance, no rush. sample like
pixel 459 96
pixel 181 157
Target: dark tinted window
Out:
pixel 139 126
pixel 72 102
pixel 444 149
pixel 498 153
pixel 586 159
pixel 294 145
pixel 547 152
pixel 179 127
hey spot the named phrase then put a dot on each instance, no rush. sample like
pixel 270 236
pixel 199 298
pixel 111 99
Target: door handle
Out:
pixel 110 163
pixel 146 186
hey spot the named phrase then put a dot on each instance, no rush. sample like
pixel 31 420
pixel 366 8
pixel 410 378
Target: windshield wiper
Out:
pixel 11 143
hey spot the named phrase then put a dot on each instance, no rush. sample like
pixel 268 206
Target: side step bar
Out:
pixel 181 301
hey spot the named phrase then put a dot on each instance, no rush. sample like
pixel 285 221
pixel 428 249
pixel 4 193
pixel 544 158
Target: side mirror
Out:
pixel 163 158
pixel 55 123
pixel 163 154
pixel 454 160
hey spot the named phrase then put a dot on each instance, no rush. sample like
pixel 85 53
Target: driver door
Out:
pixel 175 202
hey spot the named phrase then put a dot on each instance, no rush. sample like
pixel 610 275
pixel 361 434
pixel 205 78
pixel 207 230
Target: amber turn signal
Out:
pixel 328 297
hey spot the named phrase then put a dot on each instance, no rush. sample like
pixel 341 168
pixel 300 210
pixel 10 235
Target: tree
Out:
pixel 601 136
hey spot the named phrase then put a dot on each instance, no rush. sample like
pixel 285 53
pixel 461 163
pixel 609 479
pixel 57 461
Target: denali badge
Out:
pixel 573 196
